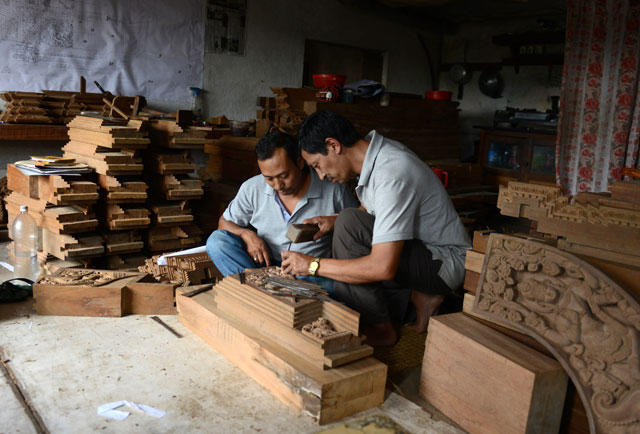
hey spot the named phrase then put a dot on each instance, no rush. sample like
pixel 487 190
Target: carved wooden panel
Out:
pixel 584 318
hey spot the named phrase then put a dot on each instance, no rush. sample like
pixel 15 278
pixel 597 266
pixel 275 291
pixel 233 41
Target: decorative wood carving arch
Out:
pixel 590 323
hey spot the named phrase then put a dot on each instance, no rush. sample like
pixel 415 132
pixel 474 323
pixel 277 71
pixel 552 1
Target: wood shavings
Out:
pixel 82 277
pixel 257 276
pixel 320 328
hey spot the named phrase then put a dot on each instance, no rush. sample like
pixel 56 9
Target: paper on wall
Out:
pixel 153 48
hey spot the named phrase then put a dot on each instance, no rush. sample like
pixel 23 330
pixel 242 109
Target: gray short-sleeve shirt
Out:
pixel 255 205
pixel 409 202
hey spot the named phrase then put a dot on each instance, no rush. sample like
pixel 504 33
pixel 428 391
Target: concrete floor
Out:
pixel 68 366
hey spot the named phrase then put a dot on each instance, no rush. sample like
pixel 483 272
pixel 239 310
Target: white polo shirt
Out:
pixel 409 202
pixel 255 205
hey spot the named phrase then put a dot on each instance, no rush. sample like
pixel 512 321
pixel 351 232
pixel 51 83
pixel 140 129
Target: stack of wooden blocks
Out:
pixel 169 167
pixel 48 107
pixel 112 148
pixel 600 228
pixel 325 376
pixel 284 112
pixel 63 208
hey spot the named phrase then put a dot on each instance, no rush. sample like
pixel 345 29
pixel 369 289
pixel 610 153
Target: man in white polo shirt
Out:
pixel 406 239
pixel 252 230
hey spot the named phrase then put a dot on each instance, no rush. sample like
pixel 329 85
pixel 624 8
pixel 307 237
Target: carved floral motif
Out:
pixel 589 322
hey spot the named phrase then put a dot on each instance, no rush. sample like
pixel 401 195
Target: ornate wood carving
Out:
pixel 584 318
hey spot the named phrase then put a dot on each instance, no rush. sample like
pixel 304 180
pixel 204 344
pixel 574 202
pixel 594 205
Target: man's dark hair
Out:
pixel 320 125
pixel 271 141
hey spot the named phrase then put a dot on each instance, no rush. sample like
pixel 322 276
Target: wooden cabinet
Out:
pixel 509 155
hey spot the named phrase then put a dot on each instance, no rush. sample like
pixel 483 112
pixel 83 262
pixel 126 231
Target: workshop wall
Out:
pixel 530 88
pixel 274 54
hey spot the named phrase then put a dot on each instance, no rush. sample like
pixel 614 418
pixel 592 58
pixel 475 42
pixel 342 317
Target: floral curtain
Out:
pixel 599 122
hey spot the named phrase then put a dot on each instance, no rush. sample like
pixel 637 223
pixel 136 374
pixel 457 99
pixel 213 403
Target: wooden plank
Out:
pixel 615 238
pixel 473 261
pixel 480 240
pixel 488 383
pixel 595 252
pixel 107 140
pixel 324 395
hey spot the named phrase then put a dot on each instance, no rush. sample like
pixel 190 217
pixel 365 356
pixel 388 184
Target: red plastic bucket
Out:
pixel 328 80
pixel 438 95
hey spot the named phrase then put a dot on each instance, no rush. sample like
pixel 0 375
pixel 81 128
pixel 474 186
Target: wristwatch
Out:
pixel 313 266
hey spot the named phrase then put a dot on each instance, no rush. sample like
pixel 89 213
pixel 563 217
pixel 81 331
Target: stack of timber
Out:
pixel 263 335
pixel 178 135
pixel 601 228
pixel 103 293
pixel 48 107
pixel 183 270
pixel 429 128
pixel 284 112
pixel 172 186
pixel 113 148
pixel 63 209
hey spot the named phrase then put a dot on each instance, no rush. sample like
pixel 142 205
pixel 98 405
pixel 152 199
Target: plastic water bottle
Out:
pixel 25 242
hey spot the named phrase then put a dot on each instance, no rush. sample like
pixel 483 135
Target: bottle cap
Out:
pixel 23 208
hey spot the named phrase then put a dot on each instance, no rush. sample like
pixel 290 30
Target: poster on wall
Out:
pixel 153 48
pixel 226 26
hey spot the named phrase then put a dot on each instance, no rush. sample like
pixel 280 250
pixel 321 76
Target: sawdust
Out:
pixel 320 328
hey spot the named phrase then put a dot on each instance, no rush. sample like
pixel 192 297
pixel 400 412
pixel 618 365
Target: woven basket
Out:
pixel 406 353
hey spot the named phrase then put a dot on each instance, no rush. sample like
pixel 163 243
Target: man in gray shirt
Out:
pixel 252 230
pixel 405 239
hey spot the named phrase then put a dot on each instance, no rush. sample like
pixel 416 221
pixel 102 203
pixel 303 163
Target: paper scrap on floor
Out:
pixel 109 410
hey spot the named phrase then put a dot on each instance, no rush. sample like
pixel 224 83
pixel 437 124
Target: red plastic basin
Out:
pixel 440 95
pixel 328 80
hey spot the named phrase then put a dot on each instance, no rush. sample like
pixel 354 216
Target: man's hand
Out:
pixel 325 224
pixel 256 248
pixel 296 263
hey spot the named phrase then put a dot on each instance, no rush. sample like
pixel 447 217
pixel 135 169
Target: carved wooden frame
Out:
pixel 590 323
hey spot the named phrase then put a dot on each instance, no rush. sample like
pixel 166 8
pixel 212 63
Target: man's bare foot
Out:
pixel 426 305
pixel 380 335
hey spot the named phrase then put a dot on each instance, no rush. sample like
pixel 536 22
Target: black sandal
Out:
pixel 11 292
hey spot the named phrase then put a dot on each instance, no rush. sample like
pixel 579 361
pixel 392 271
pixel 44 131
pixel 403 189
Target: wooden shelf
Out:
pixel 529 38
pixel 56 133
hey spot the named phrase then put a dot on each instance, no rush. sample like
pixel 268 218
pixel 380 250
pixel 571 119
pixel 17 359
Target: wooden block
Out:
pixel 480 240
pixel 118 217
pixel 473 261
pixel 122 242
pixel 71 246
pixel 51 188
pixel 324 395
pixel 144 298
pixel 488 383
pixel 170 164
pixel 107 140
pixel 301 233
pixel 114 190
pixel 65 294
pixel 471 281
pixel 170 214
pixel 178 187
pixel 78 301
